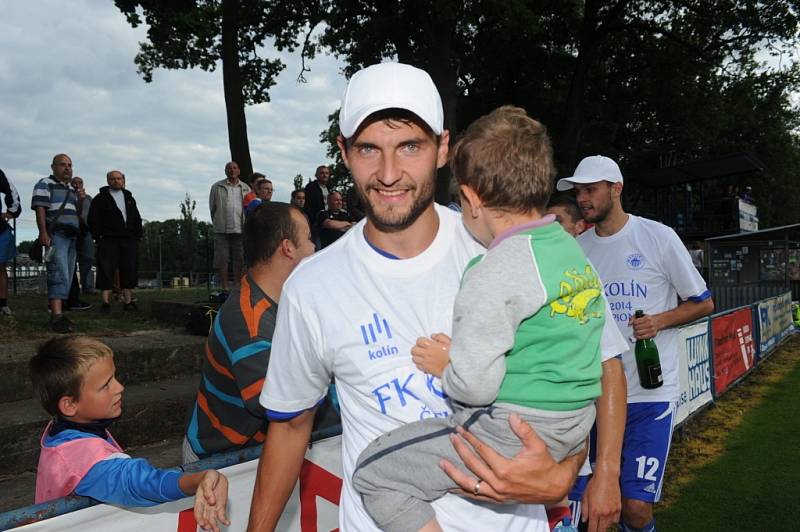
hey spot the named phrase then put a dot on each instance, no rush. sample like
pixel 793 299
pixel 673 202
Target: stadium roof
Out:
pixel 784 232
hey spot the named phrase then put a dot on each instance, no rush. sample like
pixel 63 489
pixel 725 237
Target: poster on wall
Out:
pixel 694 369
pixel 734 352
pixel 774 320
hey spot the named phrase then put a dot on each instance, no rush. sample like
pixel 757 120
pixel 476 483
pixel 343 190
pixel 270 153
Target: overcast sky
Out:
pixel 69 84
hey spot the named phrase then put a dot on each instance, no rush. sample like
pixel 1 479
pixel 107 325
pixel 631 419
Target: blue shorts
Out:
pixel 645 448
pixel 7 249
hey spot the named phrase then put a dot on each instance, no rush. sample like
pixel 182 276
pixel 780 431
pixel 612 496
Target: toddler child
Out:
pixel 527 326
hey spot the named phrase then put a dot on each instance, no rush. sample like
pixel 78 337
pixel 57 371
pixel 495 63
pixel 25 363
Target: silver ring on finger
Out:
pixel 477 488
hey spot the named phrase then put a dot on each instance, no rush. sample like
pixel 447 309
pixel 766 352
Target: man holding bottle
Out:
pixel 644 266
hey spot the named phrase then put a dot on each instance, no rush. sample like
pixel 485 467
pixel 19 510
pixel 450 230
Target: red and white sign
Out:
pixel 734 350
pixel 312 507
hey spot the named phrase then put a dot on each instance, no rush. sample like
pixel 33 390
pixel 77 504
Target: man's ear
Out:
pixel 616 189
pixel 288 249
pixel 342 143
pixel 68 406
pixel 443 149
pixel 471 204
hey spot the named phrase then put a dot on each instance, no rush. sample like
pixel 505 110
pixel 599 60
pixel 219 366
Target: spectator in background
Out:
pixel 299 200
pixel 85 245
pixel 317 198
pixel 334 221
pixel 115 222
pixel 7 248
pixel 256 196
pixel 227 217
pixel 276 238
pixel 56 207
pixel 84 250
pixel 567 213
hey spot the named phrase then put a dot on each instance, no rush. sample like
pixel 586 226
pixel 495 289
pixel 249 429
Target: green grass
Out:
pixel 743 473
pixel 30 319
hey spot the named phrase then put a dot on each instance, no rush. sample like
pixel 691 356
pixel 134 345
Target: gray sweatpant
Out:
pixel 398 474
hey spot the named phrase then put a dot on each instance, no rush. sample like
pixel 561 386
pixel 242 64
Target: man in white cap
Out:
pixel 400 268
pixel 644 266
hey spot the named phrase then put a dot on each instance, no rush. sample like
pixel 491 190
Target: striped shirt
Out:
pixel 227 414
pixel 49 193
pixel 11 200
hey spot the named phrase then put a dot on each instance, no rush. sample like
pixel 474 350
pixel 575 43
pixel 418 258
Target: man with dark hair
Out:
pixel 567 213
pixel 84 248
pixel 299 199
pixel 116 225
pixel 317 198
pixel 261 192
pixel 7 248
pixel 276 238
pixel 334 221
pixel 56 207
pixel 227 216
pixel 396 276
pixel 644 266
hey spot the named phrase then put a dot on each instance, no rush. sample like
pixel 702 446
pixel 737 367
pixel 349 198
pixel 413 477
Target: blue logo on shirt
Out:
pixel 371 332
pixel 635 261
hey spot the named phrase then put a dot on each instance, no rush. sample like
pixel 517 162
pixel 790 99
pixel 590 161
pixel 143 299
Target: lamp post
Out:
pixel 160 269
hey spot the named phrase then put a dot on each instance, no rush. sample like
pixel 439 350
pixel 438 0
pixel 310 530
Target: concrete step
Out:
pixel 151 412
pixel 139 357
pixel 18 490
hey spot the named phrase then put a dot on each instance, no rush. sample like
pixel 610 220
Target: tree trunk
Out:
pixel 232 83
pixel 573 106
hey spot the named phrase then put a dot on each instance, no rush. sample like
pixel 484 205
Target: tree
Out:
pixel 25 246
pixel 206 33
pixel 649 82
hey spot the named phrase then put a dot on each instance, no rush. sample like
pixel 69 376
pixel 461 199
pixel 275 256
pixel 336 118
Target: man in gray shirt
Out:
pixel 227 216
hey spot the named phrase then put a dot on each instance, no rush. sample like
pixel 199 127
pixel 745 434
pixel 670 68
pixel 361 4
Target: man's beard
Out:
pixel 392 222
pixel 600 214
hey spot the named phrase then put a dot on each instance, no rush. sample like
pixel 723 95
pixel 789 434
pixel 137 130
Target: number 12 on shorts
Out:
pixel 647 467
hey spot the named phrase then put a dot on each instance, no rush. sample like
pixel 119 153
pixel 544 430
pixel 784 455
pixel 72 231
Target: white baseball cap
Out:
pixel 591 170
pixel 390 86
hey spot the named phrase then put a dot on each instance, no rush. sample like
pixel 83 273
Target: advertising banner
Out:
pixel 312 507
pixel 748 216
pixel 733 347
pixel 774 320
pixel 694 369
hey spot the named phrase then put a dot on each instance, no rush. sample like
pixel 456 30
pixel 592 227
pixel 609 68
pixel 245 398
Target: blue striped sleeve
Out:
pixel 701 297
pixel 274 415
pixel 41 195
pixel 130 482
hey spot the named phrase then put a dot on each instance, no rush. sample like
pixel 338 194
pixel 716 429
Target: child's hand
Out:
pixel 210 501
pixel 432 355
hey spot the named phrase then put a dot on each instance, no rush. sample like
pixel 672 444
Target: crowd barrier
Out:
pixel 713 355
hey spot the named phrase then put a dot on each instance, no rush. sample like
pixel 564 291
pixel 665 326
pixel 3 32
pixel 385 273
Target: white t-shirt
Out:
pixel 645 266
pixel 348 311
pixel 119 199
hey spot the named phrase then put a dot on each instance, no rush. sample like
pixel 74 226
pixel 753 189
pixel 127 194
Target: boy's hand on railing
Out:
pixel 211 500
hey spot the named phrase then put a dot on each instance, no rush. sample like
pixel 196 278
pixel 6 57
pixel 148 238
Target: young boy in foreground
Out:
pixel 74 377
pixel 527 328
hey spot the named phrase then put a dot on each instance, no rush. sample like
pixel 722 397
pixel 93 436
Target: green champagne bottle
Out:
pixel 647 361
